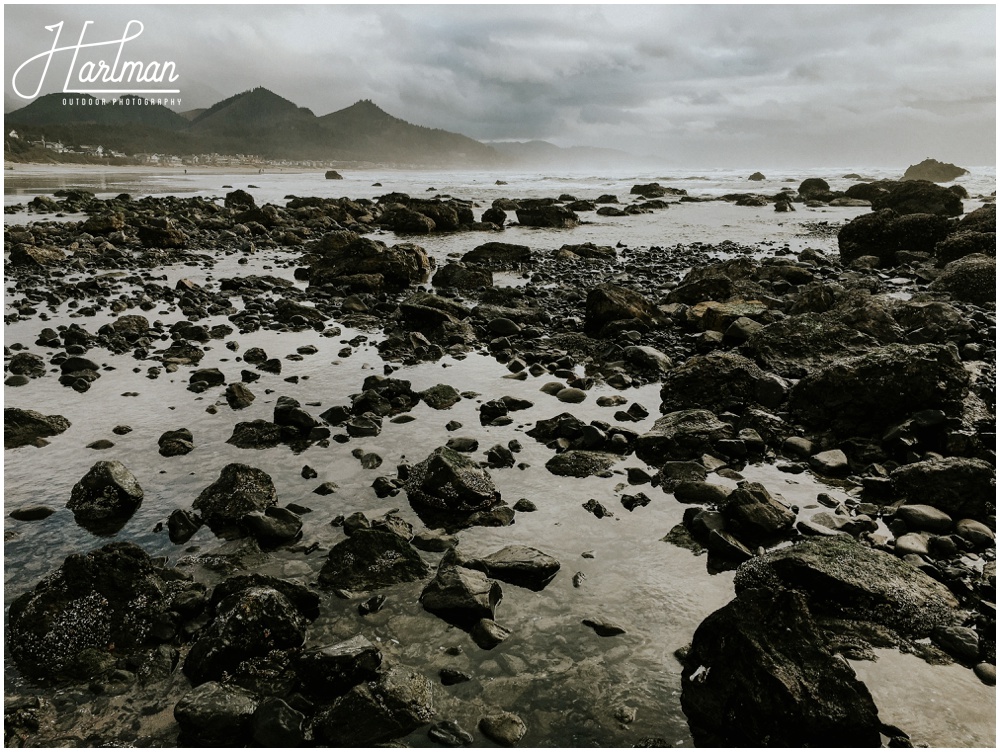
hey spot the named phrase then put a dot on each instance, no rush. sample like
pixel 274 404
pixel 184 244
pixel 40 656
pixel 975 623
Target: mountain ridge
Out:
pixel 260 122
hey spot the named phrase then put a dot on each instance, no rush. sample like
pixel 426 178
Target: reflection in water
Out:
pixel 938 706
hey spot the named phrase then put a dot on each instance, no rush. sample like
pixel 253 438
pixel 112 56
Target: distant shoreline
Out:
pixel 40 168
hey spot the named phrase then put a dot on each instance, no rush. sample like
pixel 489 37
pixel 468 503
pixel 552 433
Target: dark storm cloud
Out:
pixel 729 84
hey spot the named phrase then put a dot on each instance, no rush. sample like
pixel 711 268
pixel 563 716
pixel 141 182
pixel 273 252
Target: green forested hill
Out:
pixel 256 122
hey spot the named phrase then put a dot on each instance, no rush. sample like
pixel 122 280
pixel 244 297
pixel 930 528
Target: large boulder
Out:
pixel 249 622
pixel 754 516
pixel 518 565
pixel 35 256
pixel 971 279
pixel 959 486
pixel 720 381
pixel 395 704
pixel 344 254
pixel 461 596
pixel 108 603
pixel 649 190
pixel 720 281
pixel 161 232
pixel 920 197
pixel 797 345
pixel 885 232
pixel 934 171
pixel 845 579
pixel 759 674
pixel 965 243
pixel 331 670
pixel 607 303
pixel 462 277
pixel 370 559
pixel 813 188
pixel 240 489
pixel 931 321
pixel 866 393
pixel 24 427
pixel 681 435
pixel 499 256
pixel 406 221
pixel 579 463
pixel 426 310
pixel 107 491
pixel 532 214
pixel 215 715
pixel 449 481
pixel 983 219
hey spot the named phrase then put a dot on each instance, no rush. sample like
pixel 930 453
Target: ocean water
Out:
pixel 562 679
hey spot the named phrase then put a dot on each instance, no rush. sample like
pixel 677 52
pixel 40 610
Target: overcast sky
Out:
pixel 711 86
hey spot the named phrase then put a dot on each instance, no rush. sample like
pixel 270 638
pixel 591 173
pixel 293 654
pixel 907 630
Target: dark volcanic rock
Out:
pixel 372 559
pixel 239 396
pixel 449 734
pixel 759 674
pixel 288 412
pixel 846 579
pixel 754 516
pixel 275 526
pixel 971 279
pixel 450 481
pixel 398 702
pixel 344 254
pixel 607 303
pixel 870 391
pixel 215 715
pixel 579 463
pixel 176 443
pixel 883 233
pixel 249 622
pixel 959 486
pixel 463 277
pixel 276 724
pixel 681 435
pixel 983 219
pixel 161 232
pixel 649 190
pixel 965 243
pixel 441 396
pixel 112 599
pixel 23 427
pixel 518 565
pixel 499 256
pixel 255 434
pixel 536 215
pixel 333 669
pixel 35 256
pixel 920 197
pixel 239 490
pixel 934 171
pixel 459 595
pixel 27 364
pixel 108 490
pixel 799 344
pixel 719 382
pixel 813 188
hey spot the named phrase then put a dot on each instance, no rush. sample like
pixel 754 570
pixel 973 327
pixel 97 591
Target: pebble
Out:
pixel 604 628
pixel 987 673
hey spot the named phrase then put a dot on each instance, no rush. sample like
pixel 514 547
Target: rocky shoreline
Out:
pixel 874 368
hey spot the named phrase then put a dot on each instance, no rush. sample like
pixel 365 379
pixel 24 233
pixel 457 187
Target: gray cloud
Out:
pixel 695 84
